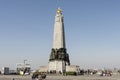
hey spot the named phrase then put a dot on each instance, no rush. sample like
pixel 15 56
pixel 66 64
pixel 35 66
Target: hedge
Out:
pixel 71 73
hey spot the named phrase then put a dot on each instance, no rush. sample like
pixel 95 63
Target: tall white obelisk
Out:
pixel 59 35
pixel 58 57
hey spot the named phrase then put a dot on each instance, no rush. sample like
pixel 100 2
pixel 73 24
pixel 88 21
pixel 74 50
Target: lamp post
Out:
pixel 25 61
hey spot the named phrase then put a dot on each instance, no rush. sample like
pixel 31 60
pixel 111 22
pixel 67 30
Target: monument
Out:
pixel 59 57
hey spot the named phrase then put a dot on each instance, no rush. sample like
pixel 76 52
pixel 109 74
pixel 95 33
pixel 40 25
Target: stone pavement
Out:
pixel 86 77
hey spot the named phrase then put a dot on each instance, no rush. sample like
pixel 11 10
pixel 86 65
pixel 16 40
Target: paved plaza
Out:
pixel 86 77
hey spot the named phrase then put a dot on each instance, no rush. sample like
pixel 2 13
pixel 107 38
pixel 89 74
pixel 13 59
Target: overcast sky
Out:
pixel 92 31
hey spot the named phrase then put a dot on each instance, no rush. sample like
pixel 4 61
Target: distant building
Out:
pixel 23 69
pixel 5 70
pixel 12 72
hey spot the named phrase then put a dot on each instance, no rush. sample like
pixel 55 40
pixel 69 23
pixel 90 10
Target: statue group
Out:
pixel 59 54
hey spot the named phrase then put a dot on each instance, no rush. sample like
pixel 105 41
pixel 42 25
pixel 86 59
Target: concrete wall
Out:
pixel 73 68
pixel 43 69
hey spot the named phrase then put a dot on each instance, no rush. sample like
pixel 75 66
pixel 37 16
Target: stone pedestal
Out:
pixel 56 66
pixel 58 60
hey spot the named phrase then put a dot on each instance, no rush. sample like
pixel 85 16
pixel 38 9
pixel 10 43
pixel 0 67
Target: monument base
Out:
pixel 57 66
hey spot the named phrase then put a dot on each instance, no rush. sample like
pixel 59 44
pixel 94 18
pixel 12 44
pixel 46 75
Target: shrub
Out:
pixel 71 73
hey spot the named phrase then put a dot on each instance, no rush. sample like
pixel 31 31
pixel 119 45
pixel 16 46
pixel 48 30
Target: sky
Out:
pixel 92 32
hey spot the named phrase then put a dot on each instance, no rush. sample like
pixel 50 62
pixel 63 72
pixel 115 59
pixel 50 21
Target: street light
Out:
pixel 24 62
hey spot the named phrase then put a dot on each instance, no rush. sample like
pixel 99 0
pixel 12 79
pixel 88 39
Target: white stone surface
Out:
pixel 59 35
pixel 58 66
